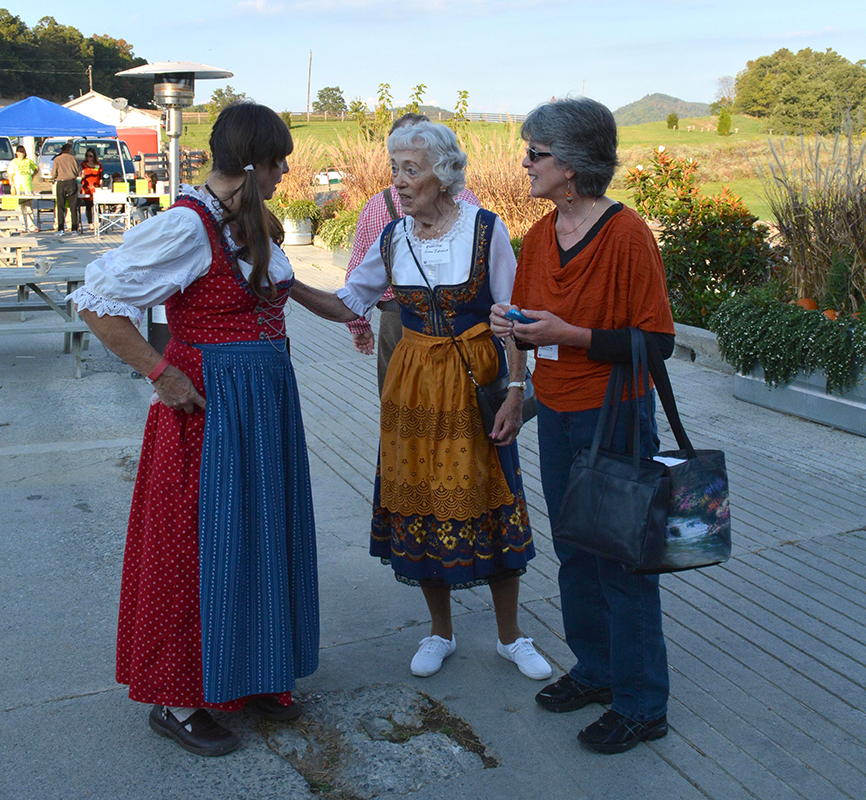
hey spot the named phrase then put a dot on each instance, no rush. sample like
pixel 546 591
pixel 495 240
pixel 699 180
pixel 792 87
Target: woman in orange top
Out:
pixel 591 269
pixel 91 178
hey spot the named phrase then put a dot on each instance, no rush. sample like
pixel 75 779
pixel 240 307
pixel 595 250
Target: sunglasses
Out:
pixel 534 154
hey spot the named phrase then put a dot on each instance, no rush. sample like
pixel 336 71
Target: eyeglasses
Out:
pixel 534 154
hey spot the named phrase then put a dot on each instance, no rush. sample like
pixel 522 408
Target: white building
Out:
pixel 127 120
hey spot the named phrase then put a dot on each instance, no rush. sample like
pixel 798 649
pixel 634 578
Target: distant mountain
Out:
pixel 656 107
pixel 434 111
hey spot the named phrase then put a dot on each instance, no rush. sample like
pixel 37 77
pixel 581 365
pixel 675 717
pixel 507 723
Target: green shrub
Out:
pixel 339 231
pixel 784 339
pixel 711 253
pixel 711 246
pixel 331 207
pixel 724 126
pixel 673 121
pixel 298 210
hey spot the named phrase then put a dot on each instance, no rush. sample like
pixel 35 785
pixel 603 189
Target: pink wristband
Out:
pixel 158 370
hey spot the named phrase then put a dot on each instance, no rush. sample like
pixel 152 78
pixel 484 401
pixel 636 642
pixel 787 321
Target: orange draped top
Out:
pixel 617 280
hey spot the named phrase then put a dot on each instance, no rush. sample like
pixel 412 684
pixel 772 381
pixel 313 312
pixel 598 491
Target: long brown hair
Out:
pixel 248 133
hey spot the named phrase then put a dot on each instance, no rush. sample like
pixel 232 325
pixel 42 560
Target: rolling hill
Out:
pixel 656 107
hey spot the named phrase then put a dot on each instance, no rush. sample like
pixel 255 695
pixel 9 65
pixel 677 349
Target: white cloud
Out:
pixel 262 7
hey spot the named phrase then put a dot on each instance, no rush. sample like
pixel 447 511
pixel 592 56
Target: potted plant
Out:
pixel 338 233
pixel 297 217
pixel 796 359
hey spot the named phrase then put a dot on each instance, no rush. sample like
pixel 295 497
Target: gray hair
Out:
pixel 440 144
pixel 581 135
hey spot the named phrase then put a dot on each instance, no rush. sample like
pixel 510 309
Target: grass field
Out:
pixel 723 161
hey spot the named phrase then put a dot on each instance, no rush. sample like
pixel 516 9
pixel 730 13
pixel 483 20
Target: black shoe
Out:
pixel 614 733
pixel 269 707
pixel 200 734
pixel 569 695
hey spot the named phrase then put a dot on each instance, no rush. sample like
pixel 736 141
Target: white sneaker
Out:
pixel 432 652
pixel 523 653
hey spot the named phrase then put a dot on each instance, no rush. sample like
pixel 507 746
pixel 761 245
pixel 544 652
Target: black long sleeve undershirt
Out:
pixel 615 345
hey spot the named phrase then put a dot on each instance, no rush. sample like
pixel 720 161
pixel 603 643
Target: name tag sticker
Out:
pixel 549 351
pixel 435 255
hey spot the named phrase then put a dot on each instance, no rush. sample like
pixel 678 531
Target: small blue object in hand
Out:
pixel 516 316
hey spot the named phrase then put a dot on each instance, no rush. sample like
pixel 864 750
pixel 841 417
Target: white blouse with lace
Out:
pixel 446 261
pixel 159 257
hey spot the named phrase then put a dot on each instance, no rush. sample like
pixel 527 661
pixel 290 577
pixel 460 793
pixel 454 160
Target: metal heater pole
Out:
pixel 157 325
pixel 173 131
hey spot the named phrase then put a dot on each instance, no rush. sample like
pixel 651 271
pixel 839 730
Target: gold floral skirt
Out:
pixel 448 503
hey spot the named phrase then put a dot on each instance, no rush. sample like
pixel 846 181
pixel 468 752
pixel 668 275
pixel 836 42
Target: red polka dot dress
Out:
pixel 219 595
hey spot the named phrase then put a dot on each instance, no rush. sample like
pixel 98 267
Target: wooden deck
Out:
pixel 768 652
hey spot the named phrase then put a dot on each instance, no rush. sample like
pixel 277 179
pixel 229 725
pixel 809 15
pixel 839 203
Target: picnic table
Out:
pixel 26 281
pixel 12 249
pixel 42 203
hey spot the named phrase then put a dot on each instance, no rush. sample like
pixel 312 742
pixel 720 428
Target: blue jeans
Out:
pixel 612 618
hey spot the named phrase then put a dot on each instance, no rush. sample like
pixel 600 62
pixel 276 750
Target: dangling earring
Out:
pixel 569 195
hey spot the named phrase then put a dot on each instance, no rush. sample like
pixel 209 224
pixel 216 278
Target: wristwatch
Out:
pixel 518 385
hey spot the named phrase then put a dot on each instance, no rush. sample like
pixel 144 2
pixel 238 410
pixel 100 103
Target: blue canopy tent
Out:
pixel 37 117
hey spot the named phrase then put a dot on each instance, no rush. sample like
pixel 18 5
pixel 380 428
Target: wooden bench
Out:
pixel 74 330
pixel 66 321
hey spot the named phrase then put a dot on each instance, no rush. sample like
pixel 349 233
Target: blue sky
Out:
pixel 509 55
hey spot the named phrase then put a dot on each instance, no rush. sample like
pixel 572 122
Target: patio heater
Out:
pixel 173 90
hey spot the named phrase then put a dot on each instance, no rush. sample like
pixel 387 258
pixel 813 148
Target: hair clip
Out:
pixel 249 168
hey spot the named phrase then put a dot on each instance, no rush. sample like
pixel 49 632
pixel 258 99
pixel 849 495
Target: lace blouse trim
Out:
pixel 103 306
pixel 453 232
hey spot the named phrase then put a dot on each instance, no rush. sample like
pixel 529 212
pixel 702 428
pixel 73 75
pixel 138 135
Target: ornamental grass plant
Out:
pixel 817 193
pixel 365 165
pixel 495 174
pixel 298 183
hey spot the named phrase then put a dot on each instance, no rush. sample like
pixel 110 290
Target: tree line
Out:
pixel 55 61
pixel 809 92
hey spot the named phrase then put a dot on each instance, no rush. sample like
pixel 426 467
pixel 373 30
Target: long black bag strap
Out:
pixel 646 357
pixel 659 373
pixel 389 202
pixel 607 416
pixel 446 324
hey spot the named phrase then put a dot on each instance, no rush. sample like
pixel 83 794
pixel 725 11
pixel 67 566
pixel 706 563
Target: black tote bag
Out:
pixel 652 515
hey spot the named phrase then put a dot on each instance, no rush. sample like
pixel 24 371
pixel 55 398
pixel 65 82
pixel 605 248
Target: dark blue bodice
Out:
pixel 464 304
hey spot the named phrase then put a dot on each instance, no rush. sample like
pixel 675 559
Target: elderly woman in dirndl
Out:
pixel 449 510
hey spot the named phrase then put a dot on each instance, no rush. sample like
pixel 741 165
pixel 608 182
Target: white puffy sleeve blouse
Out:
pixel 159 257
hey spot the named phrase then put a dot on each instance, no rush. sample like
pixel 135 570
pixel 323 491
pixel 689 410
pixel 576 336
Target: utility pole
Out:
pixel 309 77
pixel 90 75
